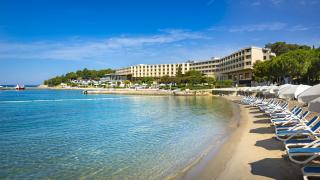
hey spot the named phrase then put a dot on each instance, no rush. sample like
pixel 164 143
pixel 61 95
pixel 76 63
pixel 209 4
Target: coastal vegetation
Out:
pixel 78 75
pixel 190 80
pixel 297 63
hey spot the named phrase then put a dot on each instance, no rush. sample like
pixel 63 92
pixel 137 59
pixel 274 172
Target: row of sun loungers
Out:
pixel 300 136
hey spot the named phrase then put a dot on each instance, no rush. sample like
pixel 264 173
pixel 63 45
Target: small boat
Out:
pixel 20 87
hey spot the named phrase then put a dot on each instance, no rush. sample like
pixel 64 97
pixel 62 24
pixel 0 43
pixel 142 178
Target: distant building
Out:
pixel 207 67
pixel 237 66
pixel 153 70
pixel 113 78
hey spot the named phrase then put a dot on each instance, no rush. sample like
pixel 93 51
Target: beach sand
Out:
pixel 251 152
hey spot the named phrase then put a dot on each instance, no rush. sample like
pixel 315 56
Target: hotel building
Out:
pixel 237 66
pixel 153 70
pixel 208 67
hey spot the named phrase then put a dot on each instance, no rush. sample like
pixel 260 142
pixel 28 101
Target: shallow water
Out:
pixel 66 135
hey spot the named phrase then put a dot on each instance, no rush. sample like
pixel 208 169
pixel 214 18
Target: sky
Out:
pixel 40 39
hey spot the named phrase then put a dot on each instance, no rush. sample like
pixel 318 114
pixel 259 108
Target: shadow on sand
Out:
pixel 255 112
pixel 261 116
pixel 276 168
pixel 262 121
pixel 270 144
pixel 262 130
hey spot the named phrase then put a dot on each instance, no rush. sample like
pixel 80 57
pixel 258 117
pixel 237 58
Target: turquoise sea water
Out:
pixel 67 135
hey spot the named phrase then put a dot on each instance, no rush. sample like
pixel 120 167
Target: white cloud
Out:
pixel 250 27
pixel 168 45
pixel 276 2
pixel 90 49
pixel 256 3
pixel 210 2
pixel 258 27
pixel 298 28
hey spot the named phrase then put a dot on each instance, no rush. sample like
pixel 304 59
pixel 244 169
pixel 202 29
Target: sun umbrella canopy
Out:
pixel 274 89
pixel 288 93
pixel 314 105
pixel 256 89
pixel 263 88
pixel 271 90
pixel 243 89
pixel 309 94
pixel 283 88
pixel 301 89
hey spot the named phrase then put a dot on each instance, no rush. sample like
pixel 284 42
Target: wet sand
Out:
pixel 251 152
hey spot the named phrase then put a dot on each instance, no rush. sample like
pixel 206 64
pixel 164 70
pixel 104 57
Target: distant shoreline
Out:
pixel 126 91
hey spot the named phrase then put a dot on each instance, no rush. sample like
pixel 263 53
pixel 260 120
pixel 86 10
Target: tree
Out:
pixel 126 82
pixel 282 47
pixel 193 77
pixel 300 65
pixel 72 75
pixel 166 79
pixel 147 80
pixel 80 74
pixel 260 71
pixel 179 72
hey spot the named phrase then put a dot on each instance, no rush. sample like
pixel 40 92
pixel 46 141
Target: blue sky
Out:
pixel 41 38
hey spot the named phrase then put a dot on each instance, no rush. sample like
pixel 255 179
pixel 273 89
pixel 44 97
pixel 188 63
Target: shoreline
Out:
pixel 249 152
pixel 211 163
pixel 126 91
pixel 195 168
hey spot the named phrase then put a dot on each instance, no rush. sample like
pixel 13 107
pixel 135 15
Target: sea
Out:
pixel 64 134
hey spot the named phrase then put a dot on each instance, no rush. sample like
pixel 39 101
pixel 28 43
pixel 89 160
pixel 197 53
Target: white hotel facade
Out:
pixel 237 66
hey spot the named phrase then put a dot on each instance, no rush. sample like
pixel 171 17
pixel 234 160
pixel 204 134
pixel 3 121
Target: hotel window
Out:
pixel 246 75
pixel 248 63
pixel 248 56
pixel 264 57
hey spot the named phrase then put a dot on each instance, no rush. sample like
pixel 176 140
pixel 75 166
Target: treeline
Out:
pixel 282 47
pixel 297 63
pixel 78 75
pixel 190 79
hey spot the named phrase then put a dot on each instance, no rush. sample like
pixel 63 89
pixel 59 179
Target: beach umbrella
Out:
pixel 274 89
pixel 293 91
pixel 283 88
pixel 256 89
pixel 288 93
pixel 249 89
pixel 301 89
pixel 271 90
pixel 309 94
pixel 314 105
pixel 263 88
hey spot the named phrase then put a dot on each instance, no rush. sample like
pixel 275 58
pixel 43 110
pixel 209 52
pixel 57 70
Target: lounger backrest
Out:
pixel 312 120
pixel 298 112
pixel 294 109
pixel 316 127
pixel 304 114
pixel 284 105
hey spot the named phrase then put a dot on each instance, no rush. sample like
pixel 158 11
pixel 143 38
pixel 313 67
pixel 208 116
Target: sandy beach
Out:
pixel 251 152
